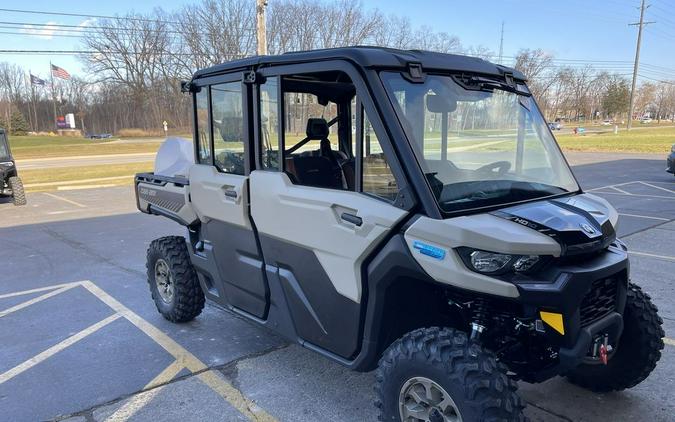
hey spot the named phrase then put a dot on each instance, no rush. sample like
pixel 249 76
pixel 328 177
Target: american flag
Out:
pixel 36 81
pixel 59 72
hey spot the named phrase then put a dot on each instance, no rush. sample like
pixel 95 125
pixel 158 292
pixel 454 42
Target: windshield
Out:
pixel 4 150
pixel 478 147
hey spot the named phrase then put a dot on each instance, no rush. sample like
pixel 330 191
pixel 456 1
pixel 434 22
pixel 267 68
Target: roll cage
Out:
pixel 362 65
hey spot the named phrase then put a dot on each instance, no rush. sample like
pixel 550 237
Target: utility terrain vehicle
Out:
pixel 401 210
pixel 10 183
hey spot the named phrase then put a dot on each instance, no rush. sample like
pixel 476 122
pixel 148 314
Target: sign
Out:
pixel 61 123
pixel 70 120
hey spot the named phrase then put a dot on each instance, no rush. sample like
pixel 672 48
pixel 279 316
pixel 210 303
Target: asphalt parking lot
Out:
pixel 80 339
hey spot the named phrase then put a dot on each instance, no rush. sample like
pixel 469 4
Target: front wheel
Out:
pixel 173 282
pixel 637 353
pixel 437 374
pixel 18 194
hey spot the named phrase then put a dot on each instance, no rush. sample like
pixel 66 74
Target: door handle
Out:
pixel 231 193
pixel 351 218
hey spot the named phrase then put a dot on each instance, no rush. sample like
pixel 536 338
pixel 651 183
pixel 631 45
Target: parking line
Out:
pixel 234 397
pixel 56 348
pixel 609 186
pixel 151 390
pixel 39 289
pixel 35 300
pixel 644 216
pixel 651 255
pixel 669 341
pixel 635 195
pixel 657 187
pixel 77 204
pixel 184 358
pixel 620 190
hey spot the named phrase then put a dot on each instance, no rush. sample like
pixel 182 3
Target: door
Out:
pixel 317 236
pixel 219 195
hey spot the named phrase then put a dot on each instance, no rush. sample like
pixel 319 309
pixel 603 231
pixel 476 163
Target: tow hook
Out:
pixel 601 348
pixel 603 354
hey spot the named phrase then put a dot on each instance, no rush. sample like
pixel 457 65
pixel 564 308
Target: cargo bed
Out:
pixel 166 196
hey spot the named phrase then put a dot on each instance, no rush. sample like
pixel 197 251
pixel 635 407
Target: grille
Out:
pixel 599 301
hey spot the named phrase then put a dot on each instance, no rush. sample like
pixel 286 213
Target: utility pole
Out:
pixel 501 45
pixel 261 36
pixel 636 66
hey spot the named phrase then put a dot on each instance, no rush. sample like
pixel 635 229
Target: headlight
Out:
pixel 6 163
pixel 488 262
pixel 494 263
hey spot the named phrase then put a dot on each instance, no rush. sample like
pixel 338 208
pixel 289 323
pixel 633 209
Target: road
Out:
pixel 78 329
pixel 85 160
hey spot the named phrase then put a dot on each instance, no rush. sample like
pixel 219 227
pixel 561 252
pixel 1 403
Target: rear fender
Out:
pixel 165 196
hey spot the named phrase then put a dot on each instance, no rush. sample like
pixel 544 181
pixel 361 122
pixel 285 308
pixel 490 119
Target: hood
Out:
pixel 580 225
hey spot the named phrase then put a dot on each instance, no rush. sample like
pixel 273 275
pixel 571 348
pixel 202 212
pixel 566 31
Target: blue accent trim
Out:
pixel 429 250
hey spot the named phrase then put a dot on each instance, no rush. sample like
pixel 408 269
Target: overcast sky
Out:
pixel 573 30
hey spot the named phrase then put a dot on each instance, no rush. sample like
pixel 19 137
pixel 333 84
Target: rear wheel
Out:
pixel 636 355
pixel 18 194
pixel 437 374
pixel 173 282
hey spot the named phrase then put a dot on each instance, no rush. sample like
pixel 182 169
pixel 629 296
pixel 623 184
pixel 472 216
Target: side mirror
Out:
pixel 441 104
pixel 187 86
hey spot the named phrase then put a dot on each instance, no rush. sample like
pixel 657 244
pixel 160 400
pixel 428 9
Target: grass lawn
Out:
pixel 656 140
pixel 26 147
pixel 83 173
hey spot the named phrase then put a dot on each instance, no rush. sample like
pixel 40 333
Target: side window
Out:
pixel 299 107
pixel 378 179
pixel 227 120
pixel 203 141
pixel 269 123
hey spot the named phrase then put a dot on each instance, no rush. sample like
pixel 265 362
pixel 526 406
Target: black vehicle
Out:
pixel 10 183
pixel 404 211
pixel 670 161
pixel 98 136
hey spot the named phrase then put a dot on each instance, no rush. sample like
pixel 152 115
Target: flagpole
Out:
pixel 35 118
pixel 37 125
pixel 30 103
pixel 51 73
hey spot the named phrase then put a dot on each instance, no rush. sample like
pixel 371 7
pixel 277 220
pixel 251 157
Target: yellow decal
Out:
pixel 554 320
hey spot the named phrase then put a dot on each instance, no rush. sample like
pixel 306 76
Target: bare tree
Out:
pixel 644 101
pixel 537 66
pixel 133 52
pixel 394 31
pixel 213 32
pixel 664 97
pixel 344 23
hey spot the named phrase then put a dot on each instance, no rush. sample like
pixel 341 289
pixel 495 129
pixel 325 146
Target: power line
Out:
pixel 658 80
pixel 42 12
pixel 93 52
pixel 55 26
pixel 40 35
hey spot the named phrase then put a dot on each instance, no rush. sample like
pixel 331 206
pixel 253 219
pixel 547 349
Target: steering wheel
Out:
pixel 498 168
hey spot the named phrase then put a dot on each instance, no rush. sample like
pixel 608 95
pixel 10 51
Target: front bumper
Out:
pixel 670 163
pixel 573 290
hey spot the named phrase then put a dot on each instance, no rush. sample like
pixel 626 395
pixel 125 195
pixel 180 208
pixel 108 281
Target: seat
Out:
pixel 313 171
pixel 349 172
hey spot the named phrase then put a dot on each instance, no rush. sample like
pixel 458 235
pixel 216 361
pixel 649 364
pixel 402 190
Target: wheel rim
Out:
pixel 421 399
pixel 164 281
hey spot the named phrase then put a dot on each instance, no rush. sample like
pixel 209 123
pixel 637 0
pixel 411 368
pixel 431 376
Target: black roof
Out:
pixel 371 57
